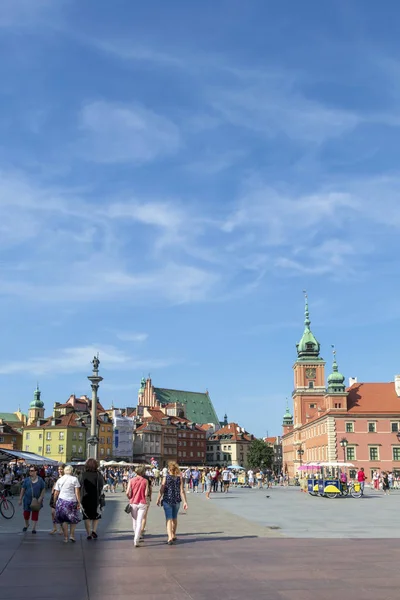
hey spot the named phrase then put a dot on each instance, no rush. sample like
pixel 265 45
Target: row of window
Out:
pixel 373 453
pixel 108 429
pixel 2 439
pixel 61 435
pixel 192 436
pixel 213 448
pixel 191 444
pixel 190 454
pixel 102 440
pixel 372 427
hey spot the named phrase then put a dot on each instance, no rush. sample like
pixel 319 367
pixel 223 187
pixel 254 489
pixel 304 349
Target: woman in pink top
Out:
pixel 137 493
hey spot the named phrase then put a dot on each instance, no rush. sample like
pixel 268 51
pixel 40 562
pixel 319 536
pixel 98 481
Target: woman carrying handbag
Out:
pixel 137 493
pixel 32 494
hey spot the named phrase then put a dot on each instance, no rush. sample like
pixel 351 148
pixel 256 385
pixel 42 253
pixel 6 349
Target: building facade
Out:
pixel 198 407
pixel 276 444
pixel 10 438
pixel 228 446
pixel 359 424
pixel 60 438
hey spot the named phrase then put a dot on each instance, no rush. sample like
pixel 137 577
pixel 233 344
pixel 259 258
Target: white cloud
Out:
pixel 77 360
pixel 119 133
pixel 132 336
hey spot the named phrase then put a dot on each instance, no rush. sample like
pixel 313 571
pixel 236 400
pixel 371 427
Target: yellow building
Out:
pixel 59 438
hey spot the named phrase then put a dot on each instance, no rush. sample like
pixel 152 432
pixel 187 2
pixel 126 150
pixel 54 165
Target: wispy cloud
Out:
pixel 77 360
pixel 118 133
pixel 132 336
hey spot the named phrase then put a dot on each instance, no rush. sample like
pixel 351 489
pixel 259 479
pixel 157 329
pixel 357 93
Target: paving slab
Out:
pixel 227 547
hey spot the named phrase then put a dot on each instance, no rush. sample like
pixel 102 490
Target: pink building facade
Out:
pixel 359 424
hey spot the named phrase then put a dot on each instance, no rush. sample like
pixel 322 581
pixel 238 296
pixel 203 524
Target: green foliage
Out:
pixel 260 455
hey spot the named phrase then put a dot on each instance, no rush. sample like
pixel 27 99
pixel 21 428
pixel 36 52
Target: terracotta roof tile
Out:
pixel 373 398
pixel 234 430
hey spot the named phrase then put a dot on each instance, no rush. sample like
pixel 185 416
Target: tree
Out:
pixel 260 455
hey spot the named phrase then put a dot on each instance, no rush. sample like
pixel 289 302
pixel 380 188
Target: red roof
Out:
pixel 373 398
pixel 234 430
pixel 69 420
pixel 270 440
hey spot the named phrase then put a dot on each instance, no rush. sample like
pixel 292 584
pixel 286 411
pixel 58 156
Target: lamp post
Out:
pixel 300 452
pixel 344 444
pixel 94 379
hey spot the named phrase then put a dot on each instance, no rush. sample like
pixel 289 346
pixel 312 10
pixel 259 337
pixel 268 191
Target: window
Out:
pixel 311 385
pixel 373 453
pixel 1 438
pixel 74 435
pixel 74 448
pixel 372 427
pixel 61 448
pixel 39 449
pixel 349 427
pixel 229 447
pixel 48 449
pixel 61 435
pixel 396 453
pixel 80 450
pixel 199 454
pixel 13 439
pixel 191 454
pixel 102 451
pixel 108 440
pixel 48 435
pixel 108 452
pixel 28 435
pixel 103 428
pixel 351 453
pixel 80 435
pixel 313 406
pixel 395 427
pixel 338 405
pixel 26 448
pixel 40 436
pixel 353 473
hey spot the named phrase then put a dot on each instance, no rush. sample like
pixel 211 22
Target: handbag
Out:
pixel 101 495
pixel 36 505
pixel 127 509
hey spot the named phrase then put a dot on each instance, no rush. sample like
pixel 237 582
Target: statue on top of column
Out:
pixel 95 363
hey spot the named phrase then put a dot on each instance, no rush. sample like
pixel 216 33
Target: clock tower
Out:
pixel 309 376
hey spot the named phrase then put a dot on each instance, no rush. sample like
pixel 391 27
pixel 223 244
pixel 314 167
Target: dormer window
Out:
pixel 309 346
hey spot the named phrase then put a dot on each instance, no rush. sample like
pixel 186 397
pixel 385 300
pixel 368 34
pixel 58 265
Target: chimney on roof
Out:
pixel 397 384
pixel 352 381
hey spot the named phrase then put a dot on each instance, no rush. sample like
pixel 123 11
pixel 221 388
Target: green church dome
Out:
pixel 308 347
pixel 36 402
pixel 336 379
pixel 287 417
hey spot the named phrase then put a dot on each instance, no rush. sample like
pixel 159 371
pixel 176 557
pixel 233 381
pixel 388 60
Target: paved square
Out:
pixel 228 547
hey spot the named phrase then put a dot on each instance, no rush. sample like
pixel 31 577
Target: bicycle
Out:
pixel 352 489
pixel 7 509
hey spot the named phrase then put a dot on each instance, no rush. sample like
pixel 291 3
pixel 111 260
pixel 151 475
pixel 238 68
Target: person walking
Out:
pixel 92 484
pixel 226 478
pixel 361 477
pixel 208 481
pixel 170 497
pixel 52 502
pixel 67 494
pixel 137 493
pixel 385 483
pixel 31 496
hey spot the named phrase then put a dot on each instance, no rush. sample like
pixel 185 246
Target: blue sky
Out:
pixel 174 174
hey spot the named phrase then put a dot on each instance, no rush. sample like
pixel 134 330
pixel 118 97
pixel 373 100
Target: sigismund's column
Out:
pixel 93 440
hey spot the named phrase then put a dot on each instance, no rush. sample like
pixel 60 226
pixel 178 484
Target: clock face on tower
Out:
pixel 311 373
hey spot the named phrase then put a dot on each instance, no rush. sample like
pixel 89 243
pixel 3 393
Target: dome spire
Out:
pixel 335 379
pixel 308 347
pixel 287 417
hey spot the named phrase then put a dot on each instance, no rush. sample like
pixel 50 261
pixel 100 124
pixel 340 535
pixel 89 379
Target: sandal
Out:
pixel 65 540
pixel 94 535
pixel 73 540
pixel 89 537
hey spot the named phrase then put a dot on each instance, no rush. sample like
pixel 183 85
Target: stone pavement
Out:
pixel 218 554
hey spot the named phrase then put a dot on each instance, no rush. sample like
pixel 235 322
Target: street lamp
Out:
pixel 300 452
pixel 344 444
